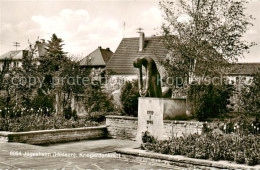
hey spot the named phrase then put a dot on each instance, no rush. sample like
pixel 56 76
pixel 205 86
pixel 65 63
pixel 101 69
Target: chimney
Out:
pixel 141 41
pixel 41 45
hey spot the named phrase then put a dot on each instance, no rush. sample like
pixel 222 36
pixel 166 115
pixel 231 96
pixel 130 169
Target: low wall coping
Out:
pixel 6 133
pixel 164 121
pixel 183 159
pixel 122 117
pixel 156 98
pixel 182 122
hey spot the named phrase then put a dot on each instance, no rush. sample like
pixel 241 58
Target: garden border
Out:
pixel 158 159
pixel 55 135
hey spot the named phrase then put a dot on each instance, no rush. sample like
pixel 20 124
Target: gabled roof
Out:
pixel 14 55
pixel 18 54
pixel 123 58
pixel 99 57
pixel 243 69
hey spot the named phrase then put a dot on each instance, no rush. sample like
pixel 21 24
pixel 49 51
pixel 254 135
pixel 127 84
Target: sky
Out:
pixel 86 24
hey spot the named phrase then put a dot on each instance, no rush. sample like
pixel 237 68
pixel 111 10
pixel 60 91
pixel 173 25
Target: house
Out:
pixel 120 66
pixel 17 55
pixel 97 60
pixel 121 63
pixel 242 72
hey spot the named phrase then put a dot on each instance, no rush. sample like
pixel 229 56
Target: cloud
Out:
pixel 151 18
pixel 66 23
pixel 80 32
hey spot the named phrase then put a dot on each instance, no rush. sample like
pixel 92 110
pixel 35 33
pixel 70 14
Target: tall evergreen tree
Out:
pixel 51 63
pixel 55 55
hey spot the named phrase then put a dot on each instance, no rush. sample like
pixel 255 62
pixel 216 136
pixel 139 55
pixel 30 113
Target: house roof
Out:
pixel 243 69
pixel 99 57
pixel 14 55
pixel 18 54
pixel 123 58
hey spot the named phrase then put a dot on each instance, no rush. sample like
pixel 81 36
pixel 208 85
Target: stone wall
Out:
pixel 125 127
pixel 56 135
pixel 180 128
pixel 121 127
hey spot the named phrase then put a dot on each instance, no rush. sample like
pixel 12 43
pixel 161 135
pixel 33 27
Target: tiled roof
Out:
pixel 123 58
pixel 15 55
pixel 99 57
pixel 243 69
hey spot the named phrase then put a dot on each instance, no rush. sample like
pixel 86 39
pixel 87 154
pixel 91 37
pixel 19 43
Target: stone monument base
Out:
pixel 152 111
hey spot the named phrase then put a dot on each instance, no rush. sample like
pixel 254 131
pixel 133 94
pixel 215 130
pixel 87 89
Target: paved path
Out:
pixel 73 155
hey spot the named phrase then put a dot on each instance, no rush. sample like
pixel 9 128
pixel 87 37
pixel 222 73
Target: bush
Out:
pixel 42 122
pixel 241 125
pixel 241 149
pixel 69 113
pixel 209 101
pixel 99 116
pixel 249 96
pixel 97 100
pixel 129 98
pixel 44 101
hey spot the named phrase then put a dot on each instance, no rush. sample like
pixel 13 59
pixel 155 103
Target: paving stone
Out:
pixel 105 146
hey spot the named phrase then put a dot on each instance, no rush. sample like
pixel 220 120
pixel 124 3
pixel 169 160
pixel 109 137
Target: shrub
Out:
pixel 42 122
pixel 129 98
pixel 44 101
pixel 208 101
pixel 241 149
pixel 99 116
pixel 241 125
pixel 97 100
pixel 69 113
pixel 249 96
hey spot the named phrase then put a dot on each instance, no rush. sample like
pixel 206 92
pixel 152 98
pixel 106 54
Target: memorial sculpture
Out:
pixel 152 108
pixel 153 81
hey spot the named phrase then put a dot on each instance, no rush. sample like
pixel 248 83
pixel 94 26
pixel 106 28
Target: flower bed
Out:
pixel 40 122
pixel 240 149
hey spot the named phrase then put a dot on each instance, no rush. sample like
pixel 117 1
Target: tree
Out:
pixel 55 53
pixel 51 63
pixel 208 101
pixel 4 71
pixel 249 98
pixel 5 90
pixel 204 35
pixel 26 89
pixel 71 83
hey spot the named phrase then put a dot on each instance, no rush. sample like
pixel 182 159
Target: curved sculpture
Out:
pixel 153 85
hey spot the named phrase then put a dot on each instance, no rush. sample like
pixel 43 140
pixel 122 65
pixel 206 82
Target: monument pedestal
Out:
pixel 152 111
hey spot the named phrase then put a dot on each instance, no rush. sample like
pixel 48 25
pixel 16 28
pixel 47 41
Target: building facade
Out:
pixel 17 56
